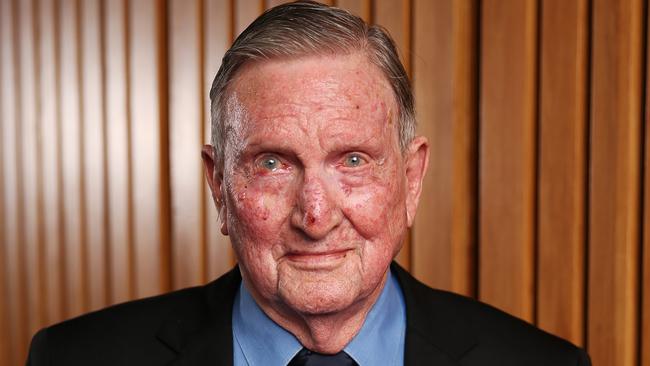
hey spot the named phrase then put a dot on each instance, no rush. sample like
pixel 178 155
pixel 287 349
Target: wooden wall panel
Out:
pixel 149 146
pixel 118 153
pixel 4 309
pixel 244 12
pixel 29 163
pixel 217 36
pixel 444 73
pixel 186 138
pixel 362 8
pixel 395 16
pixel 94 161
pixel 272 3
pixel 614 175
pixel 507 154
pixel 13 236
pixel 71 134
pixel 644 345
pixel 50 138
pixel 562 167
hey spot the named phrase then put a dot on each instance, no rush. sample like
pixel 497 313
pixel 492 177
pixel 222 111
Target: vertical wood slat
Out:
pixel 645 284
pixel 562 168
pixel 362 8
pixel 149 142
pixel 118 151
pixel 272 3
pixel 186 137
pixel 50 138
pixel 71 150
pixel 507 155
pixel 94 168
pixel 28 159
pixel 245 11
pixel 5 338
pixel 217 37
pixel 614 176
pixel 444 73
pixel 395 16
pixel 16 296
pixel 4 309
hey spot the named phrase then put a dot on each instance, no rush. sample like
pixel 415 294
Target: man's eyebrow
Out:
pixel 254 147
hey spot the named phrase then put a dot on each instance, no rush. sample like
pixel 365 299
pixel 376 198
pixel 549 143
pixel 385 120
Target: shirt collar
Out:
pixel 263 342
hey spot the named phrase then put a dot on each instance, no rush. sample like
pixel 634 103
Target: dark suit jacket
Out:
pixel 194 327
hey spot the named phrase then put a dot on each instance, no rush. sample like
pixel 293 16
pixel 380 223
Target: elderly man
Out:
pixel 316 173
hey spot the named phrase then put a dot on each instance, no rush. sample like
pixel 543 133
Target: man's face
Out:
pixel 315 192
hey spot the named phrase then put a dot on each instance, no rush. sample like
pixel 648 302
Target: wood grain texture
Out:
pixel 118 152
pixel 71 149
pixel 50 140
pixel 28 160
pixel 507 155
pixel 271 3
pixel 16 301
pixel 186 139
pixel 94 162
pixel 217 37
pixel 245 11
pixel 562 168
pixel 395 16
pixel 614 197
pixel 645 284
pixel 362 8
pixel 4 311
pixel 444 74
pixel 149 143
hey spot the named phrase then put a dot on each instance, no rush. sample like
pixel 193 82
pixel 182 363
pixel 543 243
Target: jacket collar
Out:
pixel 200 329
pixel 436 334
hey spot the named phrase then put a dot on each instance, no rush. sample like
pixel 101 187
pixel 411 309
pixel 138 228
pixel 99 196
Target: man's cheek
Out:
pixel 259 208
pixel 369 210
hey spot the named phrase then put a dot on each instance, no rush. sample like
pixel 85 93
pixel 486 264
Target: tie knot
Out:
pixel 309 358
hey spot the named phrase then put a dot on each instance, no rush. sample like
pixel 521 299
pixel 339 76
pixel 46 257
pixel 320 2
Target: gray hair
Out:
pixel 310 28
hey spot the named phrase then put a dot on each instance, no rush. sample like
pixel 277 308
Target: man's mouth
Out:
pixel 317 259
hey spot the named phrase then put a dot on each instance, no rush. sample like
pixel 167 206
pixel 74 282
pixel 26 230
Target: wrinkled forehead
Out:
pixel 346 86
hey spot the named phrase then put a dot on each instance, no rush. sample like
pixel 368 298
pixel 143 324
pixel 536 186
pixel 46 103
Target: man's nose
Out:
pixel 317 211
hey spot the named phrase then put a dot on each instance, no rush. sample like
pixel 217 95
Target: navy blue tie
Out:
pixel 308 358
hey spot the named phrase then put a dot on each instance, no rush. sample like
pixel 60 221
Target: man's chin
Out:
pixel 318 292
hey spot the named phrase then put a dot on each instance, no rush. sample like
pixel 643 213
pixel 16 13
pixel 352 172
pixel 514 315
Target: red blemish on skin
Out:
pixel 347 190
pixel 310 219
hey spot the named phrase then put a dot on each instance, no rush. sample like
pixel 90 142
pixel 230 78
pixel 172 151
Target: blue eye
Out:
pixel 353 160
pixel 270 163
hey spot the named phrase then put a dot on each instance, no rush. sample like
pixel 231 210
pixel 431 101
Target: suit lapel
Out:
pixel 200 331
pixel 435 333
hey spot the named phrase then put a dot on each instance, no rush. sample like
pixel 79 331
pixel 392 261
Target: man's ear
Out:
pixel 417 160
pixel 214 176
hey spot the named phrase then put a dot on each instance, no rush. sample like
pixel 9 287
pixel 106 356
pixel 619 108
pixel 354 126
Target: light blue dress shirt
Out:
pixel 259 341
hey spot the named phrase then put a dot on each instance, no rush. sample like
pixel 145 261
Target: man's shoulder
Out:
pixel 145 328
pixel 479 333
pixel 130 316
